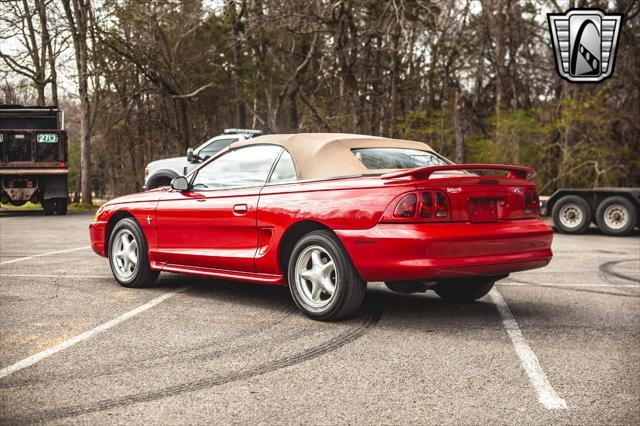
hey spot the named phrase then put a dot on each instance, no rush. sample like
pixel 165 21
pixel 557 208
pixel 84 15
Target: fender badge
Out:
pixel 454 190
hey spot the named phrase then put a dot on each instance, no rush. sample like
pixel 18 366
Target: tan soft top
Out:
pixel 327 155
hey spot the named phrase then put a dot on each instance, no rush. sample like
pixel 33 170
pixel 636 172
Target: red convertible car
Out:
pixel 327 213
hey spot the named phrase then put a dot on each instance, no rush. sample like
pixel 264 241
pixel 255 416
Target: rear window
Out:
pixel 396 158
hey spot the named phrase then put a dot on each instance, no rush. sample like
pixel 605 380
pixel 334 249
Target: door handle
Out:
pixel 240 209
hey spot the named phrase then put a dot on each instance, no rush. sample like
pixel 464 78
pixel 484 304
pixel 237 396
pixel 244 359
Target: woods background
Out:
pixel 143 80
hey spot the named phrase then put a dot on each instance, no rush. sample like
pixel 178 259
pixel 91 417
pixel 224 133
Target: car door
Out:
pixel 213 224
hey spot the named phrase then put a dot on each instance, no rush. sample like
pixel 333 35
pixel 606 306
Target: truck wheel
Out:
pixel 465 289
pixel 323 282
pixel 49 206
pixel 616 216
pixel 571 214
pixel 128 255
pixel 61 206
pixel 158 182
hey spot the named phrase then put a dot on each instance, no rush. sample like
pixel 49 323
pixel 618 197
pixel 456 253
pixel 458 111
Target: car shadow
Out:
pixel 419 311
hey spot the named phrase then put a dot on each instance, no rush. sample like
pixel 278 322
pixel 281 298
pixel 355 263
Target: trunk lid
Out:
pixel 479 198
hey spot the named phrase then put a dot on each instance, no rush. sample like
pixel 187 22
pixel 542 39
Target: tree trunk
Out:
pixel 458 125
pixel 48 45
pixel 78 20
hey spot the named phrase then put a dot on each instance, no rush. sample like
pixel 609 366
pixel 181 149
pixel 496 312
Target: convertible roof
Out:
pixel 327 155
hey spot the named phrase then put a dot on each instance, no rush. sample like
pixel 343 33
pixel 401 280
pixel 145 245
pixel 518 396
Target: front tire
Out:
pixel 571 214
pixel 128 255
pixel 323 282
pixel 465 289
pixel 616 216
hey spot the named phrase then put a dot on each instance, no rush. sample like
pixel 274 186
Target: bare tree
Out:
pixel 78 13
pixel 26 24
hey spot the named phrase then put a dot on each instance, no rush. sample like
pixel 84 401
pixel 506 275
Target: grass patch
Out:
pixel 29 206
pixel 73 207
pixel 81 207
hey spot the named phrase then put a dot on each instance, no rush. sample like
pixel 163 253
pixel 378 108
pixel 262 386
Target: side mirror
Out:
pixel 192 157
pixel 180 183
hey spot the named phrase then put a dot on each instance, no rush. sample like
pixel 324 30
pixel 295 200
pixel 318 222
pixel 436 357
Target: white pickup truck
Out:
pixel 161 172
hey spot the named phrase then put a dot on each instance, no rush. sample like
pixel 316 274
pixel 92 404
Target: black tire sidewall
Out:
pixel 144 269
pixel 631 210
pixel 584 207
pixel 324 240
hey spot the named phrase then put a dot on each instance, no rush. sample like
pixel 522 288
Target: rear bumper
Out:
pixel 96 235
pixel 396 252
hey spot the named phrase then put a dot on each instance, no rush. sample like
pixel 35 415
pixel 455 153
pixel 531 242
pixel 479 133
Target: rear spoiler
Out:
pixel 519 172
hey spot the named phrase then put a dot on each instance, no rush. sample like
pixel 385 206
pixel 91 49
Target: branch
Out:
pixel 195 92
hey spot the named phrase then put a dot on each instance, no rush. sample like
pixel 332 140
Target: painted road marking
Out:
pixel 21 259
pixel 87 334
pixel 547 396
pixel 569 285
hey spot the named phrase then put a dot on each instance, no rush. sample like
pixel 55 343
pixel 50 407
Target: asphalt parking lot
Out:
pixel 554 345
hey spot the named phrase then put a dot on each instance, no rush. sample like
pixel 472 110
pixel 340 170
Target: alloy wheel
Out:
pixel 124 254
pixel 316 276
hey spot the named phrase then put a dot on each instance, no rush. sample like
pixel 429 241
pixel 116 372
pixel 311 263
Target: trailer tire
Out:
pixel 571 214
pixel 616 216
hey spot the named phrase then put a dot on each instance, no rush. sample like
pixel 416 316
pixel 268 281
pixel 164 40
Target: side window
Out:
pixel 284 170
pixel 214 147
pixel 240 168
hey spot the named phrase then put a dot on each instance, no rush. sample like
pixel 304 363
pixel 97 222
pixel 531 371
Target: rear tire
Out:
pixel 49 206
pixel 571 215
pixel 616 216
pixel 322 280
pixel 129 255
pixel 61 206
pixel 465 289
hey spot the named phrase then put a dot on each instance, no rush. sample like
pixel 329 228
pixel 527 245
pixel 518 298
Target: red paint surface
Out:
pixel 237 233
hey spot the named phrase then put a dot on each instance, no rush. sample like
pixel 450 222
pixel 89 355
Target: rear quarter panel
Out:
pixel 348 204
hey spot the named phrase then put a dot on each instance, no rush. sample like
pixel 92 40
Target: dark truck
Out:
pixel 613 210
pixel 33 157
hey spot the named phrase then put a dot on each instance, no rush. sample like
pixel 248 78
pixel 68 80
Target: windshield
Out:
pixel 396 158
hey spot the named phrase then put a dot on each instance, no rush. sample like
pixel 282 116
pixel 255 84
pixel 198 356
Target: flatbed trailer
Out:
pixel 34 157
pixel 613 210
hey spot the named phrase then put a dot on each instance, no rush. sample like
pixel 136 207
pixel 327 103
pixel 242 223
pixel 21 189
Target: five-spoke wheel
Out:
pixel 323 282
pixel 316 276
pixel 128 255
pixel 124 254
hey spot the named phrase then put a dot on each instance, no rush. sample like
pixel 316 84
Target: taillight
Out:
pixel 406 207
pixel 426 205
pixel 422 206
pixel 531 203
pixel 442 205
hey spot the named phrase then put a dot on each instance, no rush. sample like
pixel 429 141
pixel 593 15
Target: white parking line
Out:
pixel 547 396
pixel 87 334
pixel 22 259
pixel 568 285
